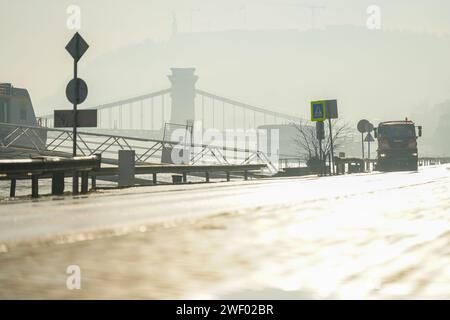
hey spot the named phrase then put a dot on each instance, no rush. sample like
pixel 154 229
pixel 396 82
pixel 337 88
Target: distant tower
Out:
pixel 174 25
pixel 183 95
pixel 313 14
pixel 243 10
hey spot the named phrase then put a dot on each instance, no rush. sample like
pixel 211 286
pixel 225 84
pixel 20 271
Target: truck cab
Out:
pixel 397 145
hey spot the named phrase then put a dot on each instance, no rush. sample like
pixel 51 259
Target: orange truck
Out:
pixel 397 145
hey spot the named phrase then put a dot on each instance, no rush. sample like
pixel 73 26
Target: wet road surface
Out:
pixel 379 235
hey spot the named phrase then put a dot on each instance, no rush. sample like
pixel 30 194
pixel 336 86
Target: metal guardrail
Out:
pixel 184 170
pixel 353 165
pixel 57 168
pixel 424 161
pixel 362 165
pixel 141 170
pixel 45 165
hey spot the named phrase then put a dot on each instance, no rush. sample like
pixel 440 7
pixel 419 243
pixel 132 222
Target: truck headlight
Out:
pixel 382 155
pixel 414 154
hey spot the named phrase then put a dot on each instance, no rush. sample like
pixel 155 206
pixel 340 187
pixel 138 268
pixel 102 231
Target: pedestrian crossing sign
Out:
pixel 318 110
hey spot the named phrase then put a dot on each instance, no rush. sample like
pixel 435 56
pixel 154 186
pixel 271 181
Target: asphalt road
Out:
pixel 379 235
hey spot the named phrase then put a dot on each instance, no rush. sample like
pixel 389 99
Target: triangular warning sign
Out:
pixel 369 138
pixel 318 112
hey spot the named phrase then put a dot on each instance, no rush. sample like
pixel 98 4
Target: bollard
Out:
pixel 12 190
pixel 75 182
pixel 207 176
pixel 34 186
pixel 58 183
pixel 94 182
pixel 126 168
pixel 245 175
pixel 323 172
pixel 330 164
pixel 84 182
pixel 176 179
pixel 184 177
pixel 228 175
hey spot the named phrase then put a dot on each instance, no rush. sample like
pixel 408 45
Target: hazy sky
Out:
pixel 34 33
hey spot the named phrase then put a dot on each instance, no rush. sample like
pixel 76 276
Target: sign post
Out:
pixel 331 113
pixel 321 110
pixel 363 126
pixel 362 145
pixel 76 90
pixel 320 135
pixel 369 139
pixel 318 115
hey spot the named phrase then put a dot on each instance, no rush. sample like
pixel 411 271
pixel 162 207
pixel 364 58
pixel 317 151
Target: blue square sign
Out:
pixel 318 110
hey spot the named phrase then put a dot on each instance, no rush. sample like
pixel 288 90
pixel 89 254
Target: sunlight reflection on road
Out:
pixel 374 236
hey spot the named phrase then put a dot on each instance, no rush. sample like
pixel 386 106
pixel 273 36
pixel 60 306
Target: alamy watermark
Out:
pixel 73 21
pixel 232 145
pixel 374 19
pixel 73 281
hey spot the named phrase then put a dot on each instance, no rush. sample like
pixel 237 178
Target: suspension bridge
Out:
pixel 180 103
pixel 145 122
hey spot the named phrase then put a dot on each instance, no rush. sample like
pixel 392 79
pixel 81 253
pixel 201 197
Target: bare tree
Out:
pixel 308 144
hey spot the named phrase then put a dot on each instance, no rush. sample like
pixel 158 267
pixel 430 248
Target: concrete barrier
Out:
pixel 126 168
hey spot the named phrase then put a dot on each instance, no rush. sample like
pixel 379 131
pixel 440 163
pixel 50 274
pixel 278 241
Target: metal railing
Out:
pixel 58 142
pixel 427 161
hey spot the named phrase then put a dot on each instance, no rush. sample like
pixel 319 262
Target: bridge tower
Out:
pixel 183 95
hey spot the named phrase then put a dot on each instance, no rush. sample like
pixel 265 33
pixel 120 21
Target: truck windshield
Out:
pixel 398 131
